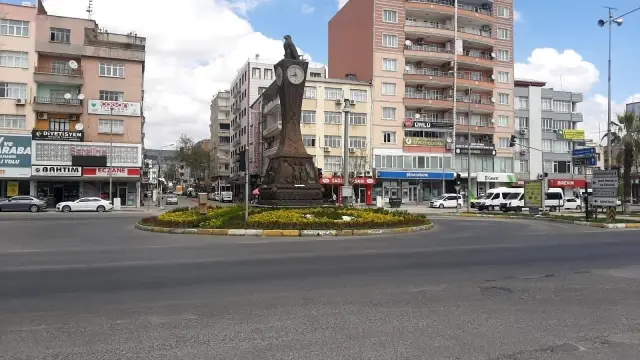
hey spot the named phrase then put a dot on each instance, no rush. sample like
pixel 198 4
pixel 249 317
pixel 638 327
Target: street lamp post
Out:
pixel 111 157
pixel 160 169
pixel 347 190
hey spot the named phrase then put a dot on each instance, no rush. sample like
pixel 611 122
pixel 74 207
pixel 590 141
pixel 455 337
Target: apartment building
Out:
pixel 409 49
pixel 546 127
pixel 252 79
pixel 77 90
pixel 221 140
pixel 322 125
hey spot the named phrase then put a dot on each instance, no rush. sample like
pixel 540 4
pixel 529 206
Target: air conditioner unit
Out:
pixel 335 173
pixel 486 27
pixel 352 149
pixel 419 64
pixel 352 102
pixel 42 116
pixel 359 173
pixel 20 101
pixel 523 152
pixel 420 41
pixel 421 111
pixel 540 176
pixel 338 101
pixel 420 87
pixel 524 131
pixel 72 117
pixel 326 148
pixel 368 173
pixel 449 146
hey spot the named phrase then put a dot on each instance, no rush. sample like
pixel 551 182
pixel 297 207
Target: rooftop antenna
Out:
pixel 90 10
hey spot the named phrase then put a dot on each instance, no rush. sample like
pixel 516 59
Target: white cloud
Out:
pixel 342 3
pixel 569 71
pixel 517 16
pixel 307 9
pixel 194 49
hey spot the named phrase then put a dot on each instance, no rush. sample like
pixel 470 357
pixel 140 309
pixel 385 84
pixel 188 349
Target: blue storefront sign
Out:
pixel 416 175
pixel 15 151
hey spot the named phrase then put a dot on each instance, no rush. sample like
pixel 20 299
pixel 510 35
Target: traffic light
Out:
pixel 458 179
pixel 242 160
pixel 512 141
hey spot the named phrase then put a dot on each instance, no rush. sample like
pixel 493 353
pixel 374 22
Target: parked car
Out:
pixel 446 201
pixel 85 204
pixel 572 204
pixel 171 199
pixel 22 203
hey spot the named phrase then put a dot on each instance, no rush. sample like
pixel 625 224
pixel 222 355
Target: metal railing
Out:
pixel 429 48
pixel 474 31
pixel 56 100
pixel 58 71
pixel 477 55
pixel 428 72
pixel 451 3
pixel 431 96
pixel 429 24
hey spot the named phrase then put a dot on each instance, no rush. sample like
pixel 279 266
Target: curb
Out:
pixel 574 222
pixel 283 233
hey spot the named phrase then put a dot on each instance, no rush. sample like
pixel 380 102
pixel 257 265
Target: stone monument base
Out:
pixel 291 181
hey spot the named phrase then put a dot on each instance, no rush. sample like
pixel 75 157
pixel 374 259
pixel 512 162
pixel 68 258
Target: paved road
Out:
pixel 92 287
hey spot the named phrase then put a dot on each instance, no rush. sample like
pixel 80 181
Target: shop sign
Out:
pixel 49 135
pixel 15 172
pixel 115 172
pixel 357 181
pixel 476 149
pixel 57 171
pixel 416 141
pixel 566 183
pixel 15 151
pixel 120 108
pixel 418 175
pixel 575 135
pixel 496 177
pixel 421 124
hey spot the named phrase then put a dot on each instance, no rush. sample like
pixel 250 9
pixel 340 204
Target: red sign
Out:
pixel 408 122
pixel 566 183
pixel 115 172
pixel 357 181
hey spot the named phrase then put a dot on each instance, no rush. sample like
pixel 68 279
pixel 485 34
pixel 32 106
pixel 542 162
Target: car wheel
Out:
pixel 34 208
pixel 491 208
pixel 579 208
pixel 459 206
pixel 100 208
pixel 518 209
pixel 552 209
pixel 441 206
pixel 66 208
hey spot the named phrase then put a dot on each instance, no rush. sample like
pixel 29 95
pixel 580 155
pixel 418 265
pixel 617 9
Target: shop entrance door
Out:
pixel 122 194
pixel 362 195
pixel 410 194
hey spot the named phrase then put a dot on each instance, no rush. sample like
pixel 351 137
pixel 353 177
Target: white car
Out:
pixel 85 204
pixel 446 201
pixel 572 204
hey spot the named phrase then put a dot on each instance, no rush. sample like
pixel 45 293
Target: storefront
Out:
pixel 413 186
pixel 486 181
pixel 362 189
pixel 568 185
pixel 15 165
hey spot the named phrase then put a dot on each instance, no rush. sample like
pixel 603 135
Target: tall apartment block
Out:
pixel 407 48
pixel 221 140
pixel 71 98
pixel 252 79
pixel 547 125
pixel 322 126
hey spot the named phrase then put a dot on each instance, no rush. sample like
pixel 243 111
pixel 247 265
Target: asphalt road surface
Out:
pixel 89 286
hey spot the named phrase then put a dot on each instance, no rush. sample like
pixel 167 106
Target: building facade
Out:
pixel 322 126
pixel 80 102
pixel 547 131
pixel 443 99
pixel 220 119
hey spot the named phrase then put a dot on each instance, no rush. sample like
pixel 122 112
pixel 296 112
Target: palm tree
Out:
pixel 627 139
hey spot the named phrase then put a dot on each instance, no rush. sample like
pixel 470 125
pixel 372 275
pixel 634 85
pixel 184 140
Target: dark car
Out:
pixel 22 203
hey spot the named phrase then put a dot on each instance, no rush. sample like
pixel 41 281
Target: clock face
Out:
pixel 295 74
pixel 279 76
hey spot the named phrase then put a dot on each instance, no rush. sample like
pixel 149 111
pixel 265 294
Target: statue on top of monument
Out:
pixel 290 50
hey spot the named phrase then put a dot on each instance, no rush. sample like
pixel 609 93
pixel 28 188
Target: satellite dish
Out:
pixel 73 64
pixel 417 116
pixel 81 96
pixel 67 96
pixel 618 21
pixel 408 42
pixel 407 67
pixel 601 23
pixel 493 54
pixel 493 77
pixel 79 127
pixel 449 140
pixel 493 99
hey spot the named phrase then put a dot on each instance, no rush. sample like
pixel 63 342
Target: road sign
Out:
pixel 585 161
pixel 583 152
pixel 604 202
pixel 605 187
pixel 611 214
pixel 533 193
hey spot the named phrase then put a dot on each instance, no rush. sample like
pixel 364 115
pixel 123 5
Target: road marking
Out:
pixel 98 249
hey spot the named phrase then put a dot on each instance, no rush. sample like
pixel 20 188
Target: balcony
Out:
pixel 482 127
pixel 60 49
pixel 475 81
pixel 47 75
pixel 435 78
pixel 236 125
pixel 102 44
pixel 447 7
pixel 428 100
pixel 475 105
pixel 418 52
pixel 236 143
pixel 437 32
pixel 272 129
pixel 269 152
pixel 476 37
pixel 476 60
pixel 57 105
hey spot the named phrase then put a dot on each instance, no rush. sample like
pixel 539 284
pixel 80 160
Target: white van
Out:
pixel 226 196
pixel 493 198
pixel 514 202
pixel 554 199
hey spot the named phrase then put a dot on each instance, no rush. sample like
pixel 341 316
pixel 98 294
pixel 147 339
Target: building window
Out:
pixel 522 123
pixel 503 55
pixel 315 75
pixel 546 104
pixel 388 113
pixel 106 95
pixel 503 34
pixel 561 146
pixel 503 99
pixel 268 74
pixel 309 140
pixel 390 41
pixel 390 16
pixel 13 90
pixel 503 143
pixel 308 117
pixel 562 124
pixel 561 106
pixel 332 163
pixel 503 12
pixel 357 119
pixel 332 117
pixel 523 166
pixel 547 145
pixel 310 92
pixel 14 28
pixel 389 65
pixel 61 67
pixel 522 103
pixel 111 70
pixel 333 141
pixel 547 124
pixel 16 59
pixel 255 73
pixel 389 89
pixel 332 94
pixel 358 142
pixel 59 125
pixel 111 127
pixel 389 137
pixel 13 122
pixel 60 35
pixel 359 96
pixel 503 120
pixel 503 77
pixel 562 167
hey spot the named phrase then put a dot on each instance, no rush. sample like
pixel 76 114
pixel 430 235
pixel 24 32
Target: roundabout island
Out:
pixel 274 221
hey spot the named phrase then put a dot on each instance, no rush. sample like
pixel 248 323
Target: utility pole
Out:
pixel 469 155
pixel 347 190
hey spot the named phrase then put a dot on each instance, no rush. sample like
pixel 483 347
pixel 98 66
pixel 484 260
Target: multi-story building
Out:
pixel 546 127
pixel 410 50
pixel 83 105
pixel 322 125
pixel 252 79
pixel 634 107
pixel 221 140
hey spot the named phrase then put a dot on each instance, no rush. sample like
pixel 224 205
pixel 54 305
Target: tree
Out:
pixel 627 139
pixel 194 156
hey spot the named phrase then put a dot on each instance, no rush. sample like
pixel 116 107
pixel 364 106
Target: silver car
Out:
pixel 171 200
pixel 23 203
